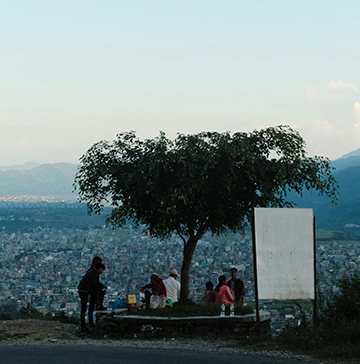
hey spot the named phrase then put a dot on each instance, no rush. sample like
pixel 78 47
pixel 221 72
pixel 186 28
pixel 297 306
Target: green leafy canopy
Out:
pixel 201 182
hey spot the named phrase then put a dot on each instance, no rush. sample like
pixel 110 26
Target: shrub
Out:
pixel 346 304
pixel 343 306
pixel 336 332
pixel 29 312
pixel 5 316
pixel 62 317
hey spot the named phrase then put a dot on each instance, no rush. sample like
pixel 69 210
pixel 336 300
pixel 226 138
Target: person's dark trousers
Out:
pixel 147 298
pixel 84 296
pixel 101 297
pixel 93 302
pixel 97 300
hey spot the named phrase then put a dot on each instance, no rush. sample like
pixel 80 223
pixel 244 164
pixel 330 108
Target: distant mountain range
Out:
pixel 37 179
pixel 351 159
pixel 346 213
pixel 34 179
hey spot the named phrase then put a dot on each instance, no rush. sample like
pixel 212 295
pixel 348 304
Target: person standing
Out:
pixel 89 286
pixel 236 286
pixel 97 298
pixel 172 286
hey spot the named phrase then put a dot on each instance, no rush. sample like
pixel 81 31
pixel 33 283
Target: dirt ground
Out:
pixel 37 330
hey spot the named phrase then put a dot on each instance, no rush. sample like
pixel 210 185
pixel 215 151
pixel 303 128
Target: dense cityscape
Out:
pixel 43 266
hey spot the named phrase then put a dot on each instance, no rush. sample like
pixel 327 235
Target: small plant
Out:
pixel 29 312
pixel 5 316
pixel 61 316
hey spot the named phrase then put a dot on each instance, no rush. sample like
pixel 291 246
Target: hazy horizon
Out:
pixel 35 163
pixel 74 73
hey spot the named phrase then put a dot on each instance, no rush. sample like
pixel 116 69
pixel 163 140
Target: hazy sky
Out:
pixel 76 72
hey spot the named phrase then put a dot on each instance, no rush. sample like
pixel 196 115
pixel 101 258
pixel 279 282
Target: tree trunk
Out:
pixel 189 249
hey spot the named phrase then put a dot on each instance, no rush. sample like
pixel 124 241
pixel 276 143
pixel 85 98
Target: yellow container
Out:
pixel 131 298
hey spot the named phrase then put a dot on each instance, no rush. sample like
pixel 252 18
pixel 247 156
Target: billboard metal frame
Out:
pixel 314 301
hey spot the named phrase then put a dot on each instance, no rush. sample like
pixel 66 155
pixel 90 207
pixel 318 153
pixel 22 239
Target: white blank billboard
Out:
pixel 284 241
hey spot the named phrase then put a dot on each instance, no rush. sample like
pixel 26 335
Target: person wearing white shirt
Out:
pixel 172 286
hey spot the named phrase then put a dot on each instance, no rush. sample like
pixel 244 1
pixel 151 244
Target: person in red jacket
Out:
pixel 223 292
pixel 211 293
pixel 157 289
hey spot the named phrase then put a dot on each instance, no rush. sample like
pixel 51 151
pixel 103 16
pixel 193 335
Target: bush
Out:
pixel 29 312
pixel 346 304
pixel 62 317
pixel 5 316
pixel 9 309
pixel 337 330
pixel 338 340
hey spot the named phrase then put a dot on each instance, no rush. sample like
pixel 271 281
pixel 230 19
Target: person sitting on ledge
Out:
pixel 223 292
pixel 211 293
pixel 157 287
pixel 172 286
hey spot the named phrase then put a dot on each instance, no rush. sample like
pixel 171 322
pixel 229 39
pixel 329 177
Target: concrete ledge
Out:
pixel 133 326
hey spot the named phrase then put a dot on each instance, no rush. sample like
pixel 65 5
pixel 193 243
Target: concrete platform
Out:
pixel 133 326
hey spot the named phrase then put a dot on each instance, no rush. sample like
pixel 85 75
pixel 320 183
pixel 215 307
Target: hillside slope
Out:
pixel 43 180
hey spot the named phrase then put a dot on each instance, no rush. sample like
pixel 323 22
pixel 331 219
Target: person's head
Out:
pixel 209 286
pixel 222 280
pixel 155 279
pixel 99 267
pixel 96 260
pixel 233 272
pixel 174 274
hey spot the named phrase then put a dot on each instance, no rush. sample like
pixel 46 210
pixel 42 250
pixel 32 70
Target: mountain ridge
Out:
pixel 38 180
pixel 42 180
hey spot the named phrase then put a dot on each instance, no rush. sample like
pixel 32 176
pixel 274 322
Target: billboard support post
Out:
pixel 315 298
pixel 255 278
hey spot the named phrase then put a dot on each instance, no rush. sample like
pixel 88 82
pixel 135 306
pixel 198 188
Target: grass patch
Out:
pixel 348 242
pixel 278 305
pixel 324 235
pixel 342 237
pixel 194 309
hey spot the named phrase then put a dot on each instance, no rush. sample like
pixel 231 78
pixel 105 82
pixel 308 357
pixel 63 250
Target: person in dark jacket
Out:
pixel 97 298
pixel 89 286
pixel 236 286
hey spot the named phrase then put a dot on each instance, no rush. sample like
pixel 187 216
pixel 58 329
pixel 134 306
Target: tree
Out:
pixel 197 183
